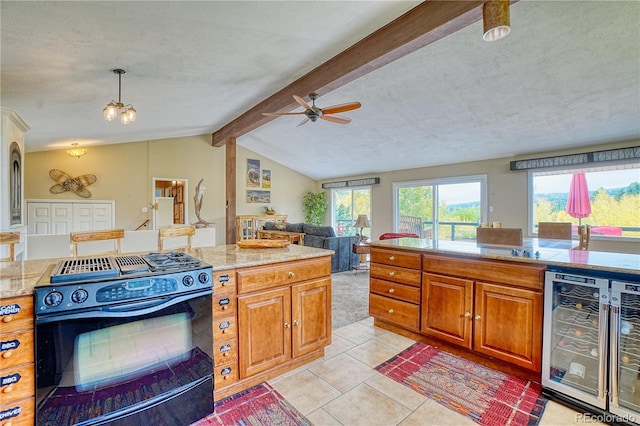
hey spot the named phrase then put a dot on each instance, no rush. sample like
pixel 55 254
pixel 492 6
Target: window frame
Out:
pixel 568 170
pixel 435 182
pixel 333 207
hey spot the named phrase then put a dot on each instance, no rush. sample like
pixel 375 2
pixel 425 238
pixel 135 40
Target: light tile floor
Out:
pixel 342 388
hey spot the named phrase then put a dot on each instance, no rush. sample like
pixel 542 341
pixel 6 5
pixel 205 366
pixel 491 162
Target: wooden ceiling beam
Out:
pixel 424 24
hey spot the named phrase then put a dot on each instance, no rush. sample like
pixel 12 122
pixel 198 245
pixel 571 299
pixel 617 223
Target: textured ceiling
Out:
pixel 567 76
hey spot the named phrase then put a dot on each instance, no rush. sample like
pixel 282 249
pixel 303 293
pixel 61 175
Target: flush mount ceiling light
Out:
pixel 127 113
pixel 76 152
pixel 495 17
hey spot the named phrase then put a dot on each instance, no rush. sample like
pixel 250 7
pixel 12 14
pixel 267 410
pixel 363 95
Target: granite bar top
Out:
pixel 19 278
pixel 534 250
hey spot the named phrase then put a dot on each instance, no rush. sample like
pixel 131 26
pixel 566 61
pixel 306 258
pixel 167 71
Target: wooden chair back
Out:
pixel 9 239
pixel 86 236
pixel 174 232
pixel 411 225
pixel 499 236
pixel 584 233
pixel 554 230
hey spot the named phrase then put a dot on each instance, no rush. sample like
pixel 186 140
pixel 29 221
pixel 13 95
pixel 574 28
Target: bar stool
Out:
pixel 87 236
pixel 584 232
pixel 555 230
pixel 10 239
pixel 499 236
pixel 174 232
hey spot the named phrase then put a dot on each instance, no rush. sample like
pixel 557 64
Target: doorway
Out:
pixel 169 202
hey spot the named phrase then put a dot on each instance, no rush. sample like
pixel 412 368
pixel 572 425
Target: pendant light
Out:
pixel 127 112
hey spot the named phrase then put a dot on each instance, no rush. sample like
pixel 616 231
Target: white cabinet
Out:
pixel 48 217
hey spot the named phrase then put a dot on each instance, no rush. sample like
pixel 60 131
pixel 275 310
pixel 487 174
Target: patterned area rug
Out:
pixel 486 396
pixel 260 405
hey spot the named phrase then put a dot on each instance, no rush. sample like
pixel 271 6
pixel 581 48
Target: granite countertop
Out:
pixel 547 252
pixel 19 278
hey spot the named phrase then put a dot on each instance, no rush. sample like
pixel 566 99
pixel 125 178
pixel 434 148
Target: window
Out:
pixel 614 198
pixel 346 205
pixel 448 208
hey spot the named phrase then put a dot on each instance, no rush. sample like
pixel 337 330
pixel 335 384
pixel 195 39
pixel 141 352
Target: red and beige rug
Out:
pixel 486 396
pixel 260 405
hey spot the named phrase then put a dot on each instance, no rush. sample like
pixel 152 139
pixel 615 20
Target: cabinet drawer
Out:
pixel 224 329
pixel 395 290
pixel 224 305
pixel 517 274
pixel 225 375
pixel 18 413
pixel 16 314
pixel 396 258
pixel 224 282
pixel 16 349
pixel 225 352
pixel 16 383
pixel 264 277
pixel 394 311
pixel 392 273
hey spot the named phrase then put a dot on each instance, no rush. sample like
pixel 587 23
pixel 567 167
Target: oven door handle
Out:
pixel 142 307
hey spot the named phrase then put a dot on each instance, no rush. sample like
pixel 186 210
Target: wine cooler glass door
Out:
pixel 575 336
pixel 625 349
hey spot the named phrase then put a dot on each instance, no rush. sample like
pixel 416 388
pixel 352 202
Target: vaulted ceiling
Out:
pixel 567 76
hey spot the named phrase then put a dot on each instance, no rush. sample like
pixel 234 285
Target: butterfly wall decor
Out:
pixel 65 183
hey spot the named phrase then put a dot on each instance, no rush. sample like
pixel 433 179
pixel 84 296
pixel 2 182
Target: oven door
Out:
pixel 143 362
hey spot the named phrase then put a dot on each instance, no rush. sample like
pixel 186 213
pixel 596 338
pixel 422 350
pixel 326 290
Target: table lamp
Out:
pixel 362 222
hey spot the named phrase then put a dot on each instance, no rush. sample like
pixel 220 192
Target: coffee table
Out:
pixel 293 237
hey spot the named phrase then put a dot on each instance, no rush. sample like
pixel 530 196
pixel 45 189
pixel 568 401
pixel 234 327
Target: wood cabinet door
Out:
pixel 311 316
pixel 508 324
pixel 446 308
pixel 264 330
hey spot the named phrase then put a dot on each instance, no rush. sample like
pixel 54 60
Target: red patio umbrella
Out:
pixel 578 203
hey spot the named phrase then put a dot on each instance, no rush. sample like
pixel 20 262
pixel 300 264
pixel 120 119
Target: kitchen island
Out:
pixel 282 292
pixel 483 302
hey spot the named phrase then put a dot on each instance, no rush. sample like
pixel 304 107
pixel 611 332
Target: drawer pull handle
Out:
pixel 467 314
pixel 225 377
pixel 7 354
pixel 390 311
pixel 8 318
pixel 477 317
pixel 391 274
pixel 7 389
pixel 225 354
pixel 296 322
pixel 392 258
pixel 287 325
pixel 391 291
pixel 291 274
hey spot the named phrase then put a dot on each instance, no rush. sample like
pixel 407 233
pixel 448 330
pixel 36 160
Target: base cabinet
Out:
pixel 486 308
pixel 283 321
pixel 17 387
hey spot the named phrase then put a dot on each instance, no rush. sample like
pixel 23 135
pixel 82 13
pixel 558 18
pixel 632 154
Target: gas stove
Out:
pixel 81 283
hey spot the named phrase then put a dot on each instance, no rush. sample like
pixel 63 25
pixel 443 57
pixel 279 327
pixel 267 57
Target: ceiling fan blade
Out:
pixel 301 101
pixel 341 108
pixel 336 119
pixel 303 122
pixel 277 114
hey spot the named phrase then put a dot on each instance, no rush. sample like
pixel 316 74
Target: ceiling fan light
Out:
pixel 496 21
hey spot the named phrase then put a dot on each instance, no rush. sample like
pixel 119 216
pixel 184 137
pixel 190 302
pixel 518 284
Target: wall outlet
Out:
pixel 490 209
pixel 144 210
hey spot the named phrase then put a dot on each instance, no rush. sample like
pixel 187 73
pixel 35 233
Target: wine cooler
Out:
pixel 591 344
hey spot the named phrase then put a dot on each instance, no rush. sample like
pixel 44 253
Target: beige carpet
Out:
pixel 349 297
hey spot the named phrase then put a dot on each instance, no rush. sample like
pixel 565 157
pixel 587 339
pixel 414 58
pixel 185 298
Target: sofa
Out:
pixel 324 237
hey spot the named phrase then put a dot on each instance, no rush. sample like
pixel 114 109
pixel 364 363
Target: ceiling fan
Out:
pixel 313 112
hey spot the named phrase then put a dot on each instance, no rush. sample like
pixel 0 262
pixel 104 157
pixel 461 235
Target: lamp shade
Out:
pixel 362 222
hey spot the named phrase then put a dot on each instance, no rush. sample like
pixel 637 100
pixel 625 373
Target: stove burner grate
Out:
pixel 131 265
pixel 71 270
pixel 170 260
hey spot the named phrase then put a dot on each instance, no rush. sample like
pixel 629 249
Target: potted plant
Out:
pixel 269 210
pixel 314 205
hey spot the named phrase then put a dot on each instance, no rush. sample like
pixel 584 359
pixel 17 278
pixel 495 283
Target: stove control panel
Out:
pixel 54 298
